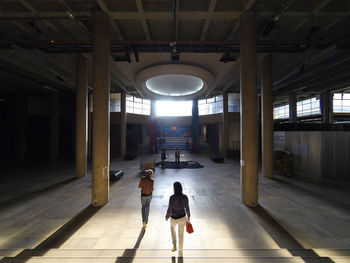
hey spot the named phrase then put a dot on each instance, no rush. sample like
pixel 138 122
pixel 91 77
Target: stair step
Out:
pixel 173 259
pixel 154 253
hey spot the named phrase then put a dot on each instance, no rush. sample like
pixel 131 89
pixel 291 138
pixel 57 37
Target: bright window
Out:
pixel 308 107
pixel 341 103
pixel 138 105
pixel 233 102
pixel 114 102
pixel 281 112
pixel 173 108
pixel 211 105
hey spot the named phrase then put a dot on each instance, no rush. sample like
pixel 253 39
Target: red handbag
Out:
pixel 189 228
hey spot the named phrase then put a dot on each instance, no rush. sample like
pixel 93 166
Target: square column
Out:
pixel 267 118
pixel 81 118
pixel 195 127
pixel 100 147
pixel 326 107
pixel 122 124
pixel 249 110
pixel 224 132
pixel 293 108
pixel 153 129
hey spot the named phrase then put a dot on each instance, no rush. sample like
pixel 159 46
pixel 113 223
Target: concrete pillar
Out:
pixel 267 118
pixel 195 127
pixel 224 134
pixel 54 127
pixel 100 147
pixel 81 112
pixel 326 105
pixel 153 129
pixel 249 110
pixel 293 108
pixel 122 124
pixel 221 140
pixel 89 121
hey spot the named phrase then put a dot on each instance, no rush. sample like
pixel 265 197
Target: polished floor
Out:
pixel 45 216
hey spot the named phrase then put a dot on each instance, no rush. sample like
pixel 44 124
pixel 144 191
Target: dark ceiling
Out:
pixel 308 39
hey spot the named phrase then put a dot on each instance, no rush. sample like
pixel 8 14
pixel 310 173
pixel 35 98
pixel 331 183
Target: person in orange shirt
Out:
pixel 146 184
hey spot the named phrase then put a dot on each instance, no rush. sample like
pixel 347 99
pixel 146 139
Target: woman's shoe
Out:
pixel 174 248
pixel 180 253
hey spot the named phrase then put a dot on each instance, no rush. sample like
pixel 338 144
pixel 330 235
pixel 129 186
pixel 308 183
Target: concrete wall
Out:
pixel 317 154
pixel 335 155
pixel 234 137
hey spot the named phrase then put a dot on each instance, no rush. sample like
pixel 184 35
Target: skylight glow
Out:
pixel 173 108
pixel 174 84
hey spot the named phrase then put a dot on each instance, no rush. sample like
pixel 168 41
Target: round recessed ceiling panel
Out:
pixel 174 80
pixel 174 84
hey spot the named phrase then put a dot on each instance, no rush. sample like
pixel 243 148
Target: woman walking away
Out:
pixel 177 210
pixel 146 185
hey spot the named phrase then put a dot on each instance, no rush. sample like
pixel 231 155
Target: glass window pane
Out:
pixel 219 104
pixel 137 105
pixel 210 100
pixel 218 98
pixel 346 103
pixel 129 104
pixel 337 96
pixel 346 96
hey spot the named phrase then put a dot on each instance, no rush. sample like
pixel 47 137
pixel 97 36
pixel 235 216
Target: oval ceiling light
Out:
pixel 175 81
pixel 174 84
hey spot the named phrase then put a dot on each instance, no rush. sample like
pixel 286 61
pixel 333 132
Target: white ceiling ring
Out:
pixel 174 84
pixel 174 81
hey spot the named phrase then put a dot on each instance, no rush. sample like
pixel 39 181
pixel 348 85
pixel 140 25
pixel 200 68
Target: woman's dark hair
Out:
pixel 177 189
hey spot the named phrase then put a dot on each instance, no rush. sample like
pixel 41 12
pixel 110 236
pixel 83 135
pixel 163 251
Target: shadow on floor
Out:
pixel 32 195
pixel 129 254
pixel 284 239
pixel 57 238
pixel 336 200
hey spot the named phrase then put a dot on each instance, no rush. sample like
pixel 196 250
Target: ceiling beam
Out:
pixel 167 15
pixel 208 20
pixel 115 72
pixel 313 13
pixel 52 64
pixel 35 12
pixel 21 26
pixel 143 20
pixel 248 5
pixel 68 8
pixel 115 28
pixel 163 46
pixel 28 6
